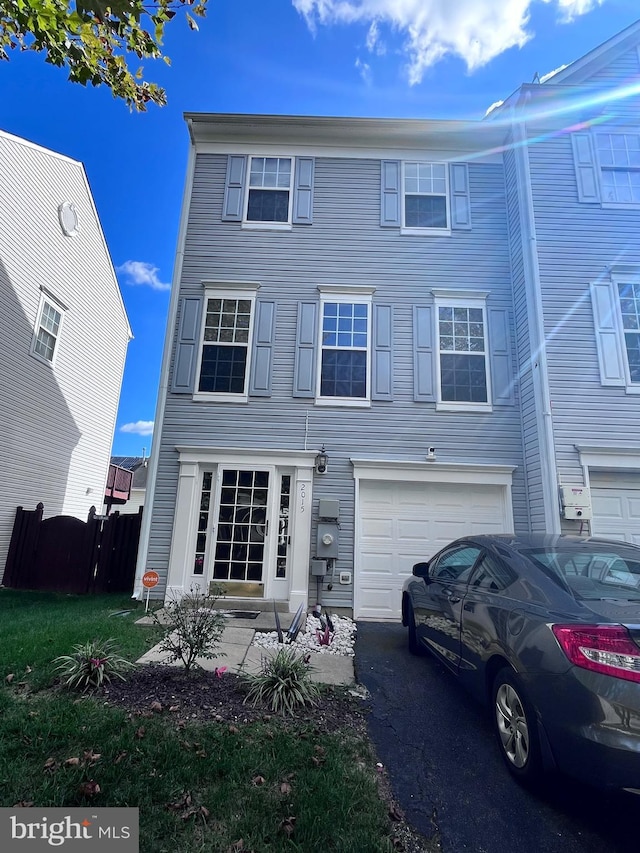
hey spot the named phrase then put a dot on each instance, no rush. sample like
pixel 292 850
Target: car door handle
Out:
pixel 453 598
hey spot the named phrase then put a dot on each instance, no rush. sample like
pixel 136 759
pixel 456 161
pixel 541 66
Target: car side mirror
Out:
pixel 421 570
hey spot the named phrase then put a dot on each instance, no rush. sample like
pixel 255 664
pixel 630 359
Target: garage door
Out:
pixel 616 505
pixel 402 523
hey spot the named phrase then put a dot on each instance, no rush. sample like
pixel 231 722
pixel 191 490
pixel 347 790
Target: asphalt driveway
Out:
pixel 447 774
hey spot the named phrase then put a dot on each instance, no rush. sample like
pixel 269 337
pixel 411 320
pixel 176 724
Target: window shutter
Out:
pixel 303 191
pixel 390 193
pixel 501 364
pixel 262 356
pixel 423 362
pixel 382 370
pixel 305 366
pixel 186 355
pixel 460 199
pixel 234 188
pixel 610 355
pixel 584 160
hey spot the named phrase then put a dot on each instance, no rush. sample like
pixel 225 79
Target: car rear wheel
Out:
pixel 415 647
pixel 515 727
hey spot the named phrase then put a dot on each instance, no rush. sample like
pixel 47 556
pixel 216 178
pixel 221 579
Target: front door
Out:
pixel 240 531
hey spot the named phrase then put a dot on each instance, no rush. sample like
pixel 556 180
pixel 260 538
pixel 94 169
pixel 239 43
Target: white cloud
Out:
pixel 365 70
pixel 475 30
pixel 140 272
pixel 138 428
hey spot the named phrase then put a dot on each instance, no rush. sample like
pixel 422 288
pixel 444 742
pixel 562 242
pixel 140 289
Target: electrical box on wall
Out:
pixel 318 568
pixel 327 541
pixel 576 502
pixel 328 508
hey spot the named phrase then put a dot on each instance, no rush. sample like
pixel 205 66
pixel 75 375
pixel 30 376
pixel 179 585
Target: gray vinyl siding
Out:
pixel 620 73
pixel 56 422
pixel 345 245
pixel 576 244
pixel 533 518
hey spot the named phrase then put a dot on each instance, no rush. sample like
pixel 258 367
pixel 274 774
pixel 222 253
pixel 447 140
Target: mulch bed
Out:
pixel 201 696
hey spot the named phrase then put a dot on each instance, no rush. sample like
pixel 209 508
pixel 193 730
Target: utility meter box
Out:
pixel 327 541
pixel 576 502
pixel 328 508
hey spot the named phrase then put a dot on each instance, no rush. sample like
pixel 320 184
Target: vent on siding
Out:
pixel 68 216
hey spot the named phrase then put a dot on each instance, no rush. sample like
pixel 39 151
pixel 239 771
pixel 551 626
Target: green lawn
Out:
pixel 256 782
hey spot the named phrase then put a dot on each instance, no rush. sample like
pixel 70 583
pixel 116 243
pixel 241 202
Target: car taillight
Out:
pixel 602 648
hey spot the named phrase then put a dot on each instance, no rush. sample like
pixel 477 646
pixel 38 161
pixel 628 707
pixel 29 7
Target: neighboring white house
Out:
pixel 64 337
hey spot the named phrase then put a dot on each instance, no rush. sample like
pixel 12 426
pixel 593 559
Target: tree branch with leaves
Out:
pixel 95 40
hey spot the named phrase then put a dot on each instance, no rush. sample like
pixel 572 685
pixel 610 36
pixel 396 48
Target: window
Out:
pixel 344 354
pixel 47 334
pixel 455 565
pixel 629 301
pixel 461 334
pixel 226 339
pixel 425 196
pixel 269 190
pixel 619 159
pixel 492 575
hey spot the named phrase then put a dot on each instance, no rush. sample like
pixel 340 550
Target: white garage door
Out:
pixel 402 523
pixel 616 505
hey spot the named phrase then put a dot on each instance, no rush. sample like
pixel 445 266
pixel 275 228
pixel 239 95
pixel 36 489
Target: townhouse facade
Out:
pixel 379 340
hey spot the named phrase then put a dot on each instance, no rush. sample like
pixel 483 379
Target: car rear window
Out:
pixel 593 572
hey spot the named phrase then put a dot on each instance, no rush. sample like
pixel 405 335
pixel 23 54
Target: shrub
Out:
pixel 191 628
pixel 283 683
pixel 91 665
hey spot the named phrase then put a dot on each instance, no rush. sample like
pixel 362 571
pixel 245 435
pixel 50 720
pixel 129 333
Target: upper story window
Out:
pixel 619 158
pixel 269 189
pixel 47 330
pixel 344 355
pixel 462 351
pixel 425 195
pixel 227 330
pixel 629 299
pixel 615 301
pixel 268 192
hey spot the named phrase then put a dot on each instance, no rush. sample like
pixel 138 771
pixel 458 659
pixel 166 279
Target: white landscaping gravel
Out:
pixel 342 640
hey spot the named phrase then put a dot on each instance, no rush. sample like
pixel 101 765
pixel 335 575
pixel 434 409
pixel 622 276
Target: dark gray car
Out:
pixel 546 631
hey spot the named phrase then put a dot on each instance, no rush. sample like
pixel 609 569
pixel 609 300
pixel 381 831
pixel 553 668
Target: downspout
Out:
pixel 539 368
pixel 147 515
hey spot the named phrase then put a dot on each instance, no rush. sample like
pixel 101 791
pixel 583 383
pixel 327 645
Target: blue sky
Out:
pixel 387 58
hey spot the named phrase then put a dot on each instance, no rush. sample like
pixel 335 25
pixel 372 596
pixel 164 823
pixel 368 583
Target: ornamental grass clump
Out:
pixel 191 628
pixel 92 665
pixel 283 683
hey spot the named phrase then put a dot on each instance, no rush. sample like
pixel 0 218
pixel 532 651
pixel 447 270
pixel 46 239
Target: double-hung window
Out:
pixel 461 333
pixel 269 190
pixel 47 330
pixel 629 302
pixel 619 159
pixel 425 196
pixel 345 332
pixel 226 341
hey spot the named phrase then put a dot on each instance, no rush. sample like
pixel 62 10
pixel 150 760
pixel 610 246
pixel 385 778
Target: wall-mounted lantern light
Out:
pixel 322 462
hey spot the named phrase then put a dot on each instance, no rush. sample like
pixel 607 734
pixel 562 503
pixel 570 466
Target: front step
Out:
pixel 232 602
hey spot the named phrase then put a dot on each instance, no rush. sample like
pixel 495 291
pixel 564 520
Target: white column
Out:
pixel 182 550
pixel 301 537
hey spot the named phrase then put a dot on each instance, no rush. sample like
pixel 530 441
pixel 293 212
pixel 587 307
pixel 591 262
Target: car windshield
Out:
pixel 595 571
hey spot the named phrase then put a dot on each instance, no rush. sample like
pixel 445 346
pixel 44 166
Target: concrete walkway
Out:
pixel 237 654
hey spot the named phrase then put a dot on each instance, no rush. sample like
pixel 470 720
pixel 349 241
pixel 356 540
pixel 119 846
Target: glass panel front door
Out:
pixel 241 529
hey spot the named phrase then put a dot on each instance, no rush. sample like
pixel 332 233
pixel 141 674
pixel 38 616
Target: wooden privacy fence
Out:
pixel 65 554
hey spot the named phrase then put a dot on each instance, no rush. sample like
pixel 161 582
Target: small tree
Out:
pixel 191 628
pixel 93 39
